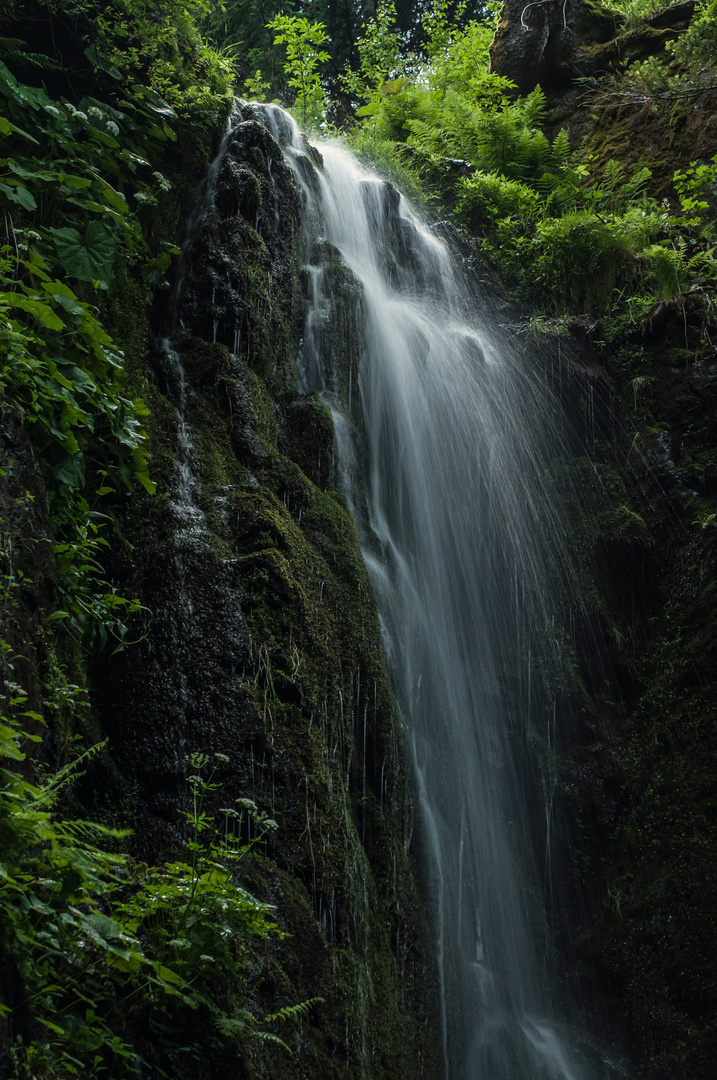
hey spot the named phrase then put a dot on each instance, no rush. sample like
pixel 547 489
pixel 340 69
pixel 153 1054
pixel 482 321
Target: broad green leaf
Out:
pixel 42 312
pixel 70 305
pixel 58 288
pixel 115 199
pixel 20 195
pixel 53 1027
pixel 101 208
pixel 154 101
pixel 133 159
pixel 30 174
pixel 98 62
pixel 71 473
pixel 103 137
pixel 166 975
pixel 74 181
pixel 393 87
pixel 6 127
pixel 88 257
pixel 105 927
pixel 32 265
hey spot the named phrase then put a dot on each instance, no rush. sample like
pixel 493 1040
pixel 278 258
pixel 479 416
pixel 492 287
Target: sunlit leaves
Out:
pixel 303 41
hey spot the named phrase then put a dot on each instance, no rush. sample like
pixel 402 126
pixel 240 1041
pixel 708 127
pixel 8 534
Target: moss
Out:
pixel 265 646
pixel 643 792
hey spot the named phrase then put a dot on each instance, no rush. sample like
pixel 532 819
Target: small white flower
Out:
pixel 80 116
pixel 166 185
pixel 94 113
pixel 52 110
pixel 112 128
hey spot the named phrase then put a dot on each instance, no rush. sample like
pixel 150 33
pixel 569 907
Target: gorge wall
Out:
pixel 260 641
pixel 639 793
pixel 264 643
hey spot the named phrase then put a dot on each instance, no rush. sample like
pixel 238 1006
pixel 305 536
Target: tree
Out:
pixel 303 40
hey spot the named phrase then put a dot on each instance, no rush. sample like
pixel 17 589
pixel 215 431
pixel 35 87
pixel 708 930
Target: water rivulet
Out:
pixel 447 439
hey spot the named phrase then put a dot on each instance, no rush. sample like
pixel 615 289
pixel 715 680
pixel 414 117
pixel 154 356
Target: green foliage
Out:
pixel 107 960
pixel 459 59
pixel 379 52
pixel 487 196
pixel 440 26
pixel 391 160
pixel 256 88
pixel 70 184
pixel 435 105
pixel 636 11
pixel 163 47
pixel 692 184
pixel 558 238
pixel 86 929
pixel 697 47
pixel 582 257
pixel 303 42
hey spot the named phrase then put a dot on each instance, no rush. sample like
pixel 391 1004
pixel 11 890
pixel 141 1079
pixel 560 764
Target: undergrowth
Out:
pixel 106 962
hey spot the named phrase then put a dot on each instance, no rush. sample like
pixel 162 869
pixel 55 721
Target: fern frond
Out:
pixel 52 789
pixel 533 108
pixel 13 50
pixel 290 1011
pixel 267 1036
pixel 560 149
pixel 425 137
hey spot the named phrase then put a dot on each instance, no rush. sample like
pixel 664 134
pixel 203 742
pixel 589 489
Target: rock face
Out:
pixel 264 643
pixel 552 42
pixel 537 43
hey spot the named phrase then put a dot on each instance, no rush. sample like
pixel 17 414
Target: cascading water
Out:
pixel 467 556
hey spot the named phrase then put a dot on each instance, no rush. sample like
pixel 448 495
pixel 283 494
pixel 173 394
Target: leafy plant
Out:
pixel 86 929
pixel 303 41
pixel 379 51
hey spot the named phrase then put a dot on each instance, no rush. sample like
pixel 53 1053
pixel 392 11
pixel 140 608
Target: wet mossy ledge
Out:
pixel 263 643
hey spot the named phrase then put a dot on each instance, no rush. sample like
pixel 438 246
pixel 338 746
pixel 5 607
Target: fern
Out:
pixel 426 137
pixel 289 1012
pixel 14 51
pixel 533 108
pixel 560 150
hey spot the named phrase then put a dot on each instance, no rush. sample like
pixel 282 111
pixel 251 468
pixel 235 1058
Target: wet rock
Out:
pixel 554 42
pixel 709 477
pixel 240 259
pixel 537 43
pixel 264 643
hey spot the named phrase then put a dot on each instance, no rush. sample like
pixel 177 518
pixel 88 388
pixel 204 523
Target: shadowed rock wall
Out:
pixel 264 644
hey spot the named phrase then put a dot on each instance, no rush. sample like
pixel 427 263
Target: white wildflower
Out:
pixel 164 183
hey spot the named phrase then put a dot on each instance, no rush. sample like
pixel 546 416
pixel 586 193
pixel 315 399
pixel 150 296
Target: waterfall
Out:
pixel 446 446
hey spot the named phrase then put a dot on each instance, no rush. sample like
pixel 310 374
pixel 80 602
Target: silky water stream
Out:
pixel 447 470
